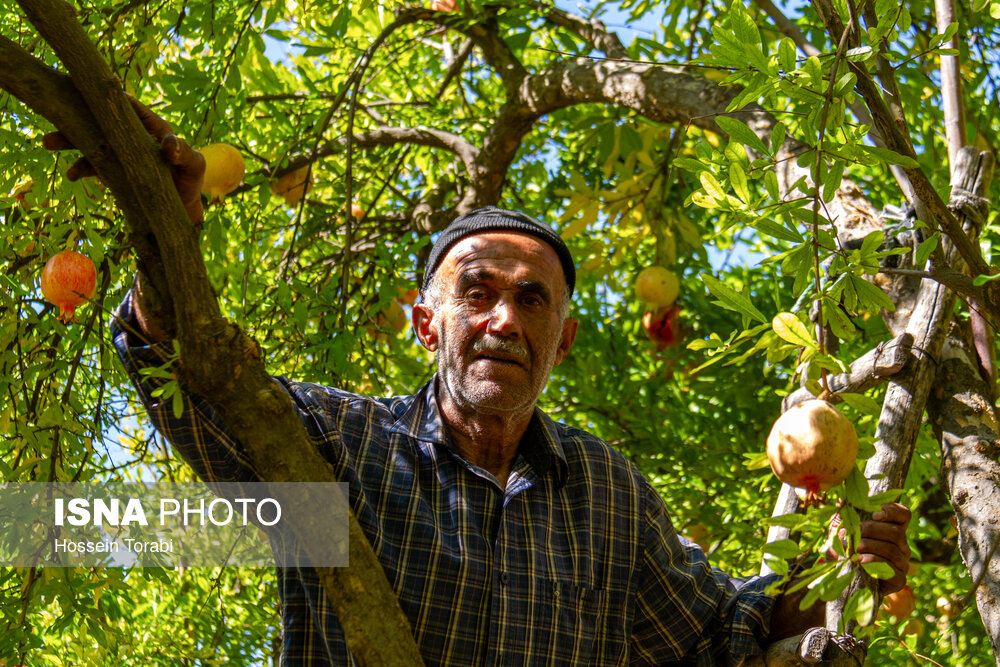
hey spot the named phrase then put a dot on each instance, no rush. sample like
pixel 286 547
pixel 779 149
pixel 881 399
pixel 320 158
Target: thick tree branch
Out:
pixel 496 53
pixel 966 424
pixel 867 371
pixel 219 361
pixel 592 31
pixel 663 94
pixel 951 83
pixel 391 136
pixel 48 92
pixel 420 136
pixel 908 392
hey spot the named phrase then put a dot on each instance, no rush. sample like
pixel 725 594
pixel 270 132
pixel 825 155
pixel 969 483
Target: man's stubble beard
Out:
pixel 485 395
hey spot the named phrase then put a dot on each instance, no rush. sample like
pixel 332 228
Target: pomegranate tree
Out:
pixel 812 446
pixel 68 280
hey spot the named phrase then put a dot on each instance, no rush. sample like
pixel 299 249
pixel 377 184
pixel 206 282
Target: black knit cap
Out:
pixel 493 219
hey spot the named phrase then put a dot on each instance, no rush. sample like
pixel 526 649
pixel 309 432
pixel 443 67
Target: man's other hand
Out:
pixel 187 166
pixel 883 539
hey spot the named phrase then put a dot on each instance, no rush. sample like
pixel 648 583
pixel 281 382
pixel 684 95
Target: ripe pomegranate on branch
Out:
pixel 662 326
pixel 658 289
pixel 224 170
pixel 812 446
pixel 68 280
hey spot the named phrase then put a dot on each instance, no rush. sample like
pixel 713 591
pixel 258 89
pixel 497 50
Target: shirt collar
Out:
pixel 541 445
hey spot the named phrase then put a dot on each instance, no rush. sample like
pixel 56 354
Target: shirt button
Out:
pixel 503 578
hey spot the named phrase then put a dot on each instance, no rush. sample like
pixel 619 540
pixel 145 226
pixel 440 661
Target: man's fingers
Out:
pixel 886 586
pixel 179 154
pixel 57 141
pixel 883 539
pixel 871 551
pixel 893 513
pixel 155 125
pixel 80 169
pixel 880 530
pixel 187 166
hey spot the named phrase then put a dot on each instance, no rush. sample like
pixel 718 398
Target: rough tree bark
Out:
pixel 966 423
pixel 219 360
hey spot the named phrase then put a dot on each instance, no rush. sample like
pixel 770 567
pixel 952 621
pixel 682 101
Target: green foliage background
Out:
pixel 626 192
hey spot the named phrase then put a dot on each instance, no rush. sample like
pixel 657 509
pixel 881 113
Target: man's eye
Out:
pixel 476 294
pixel 533 300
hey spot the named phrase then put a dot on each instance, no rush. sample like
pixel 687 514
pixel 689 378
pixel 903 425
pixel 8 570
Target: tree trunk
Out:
pixel 220 362
pixel 965 421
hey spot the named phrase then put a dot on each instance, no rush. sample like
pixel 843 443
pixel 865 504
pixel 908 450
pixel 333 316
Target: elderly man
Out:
pixel 510 539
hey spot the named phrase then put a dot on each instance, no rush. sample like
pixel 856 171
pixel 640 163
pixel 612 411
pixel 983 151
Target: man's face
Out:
pixel 497 329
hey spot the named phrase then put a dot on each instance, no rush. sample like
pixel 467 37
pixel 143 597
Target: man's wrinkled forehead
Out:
pixel 483 256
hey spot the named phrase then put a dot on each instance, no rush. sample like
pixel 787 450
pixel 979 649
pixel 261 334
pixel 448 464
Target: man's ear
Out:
pixel 425 326
pixel 566 341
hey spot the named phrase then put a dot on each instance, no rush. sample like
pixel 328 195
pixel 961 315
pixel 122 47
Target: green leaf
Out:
pixel 889 496
pixel 790 329
pixel 838 320
pixel 783 549
pixel 756 461
pixel 832 180
pixel 786 55
pixel 861 403
pixel 845 84
pixel 738 179
pixel 859 53
pixel 872 242
pixel 712 186
pixel 889 156
pixel 856 487
pixel 777 230
pixel 713 343
pixel 862 606
pixel 879 570
pixel 731 299
pixel 870 294
pixel 849 520
pixel 178 404
pixel 741 134
pixel 771 184
pixel 926 248
pixel 831 586
pixel 793 521
pixel 587 218
pixel 689 164
pixel 982 279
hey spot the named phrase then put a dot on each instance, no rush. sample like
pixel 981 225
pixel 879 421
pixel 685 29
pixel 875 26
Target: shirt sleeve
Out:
pixel 688 612
pixel 198 434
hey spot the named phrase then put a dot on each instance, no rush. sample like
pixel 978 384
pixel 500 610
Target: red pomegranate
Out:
pixel 812 446
pixel 68 280
pixel 663 326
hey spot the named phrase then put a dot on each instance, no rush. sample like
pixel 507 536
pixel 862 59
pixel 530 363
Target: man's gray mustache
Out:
pixel 499 344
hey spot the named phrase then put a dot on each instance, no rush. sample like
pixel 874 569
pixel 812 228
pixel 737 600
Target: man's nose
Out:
pixel 504 318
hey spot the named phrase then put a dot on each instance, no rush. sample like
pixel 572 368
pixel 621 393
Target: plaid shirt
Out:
pixel 575 562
